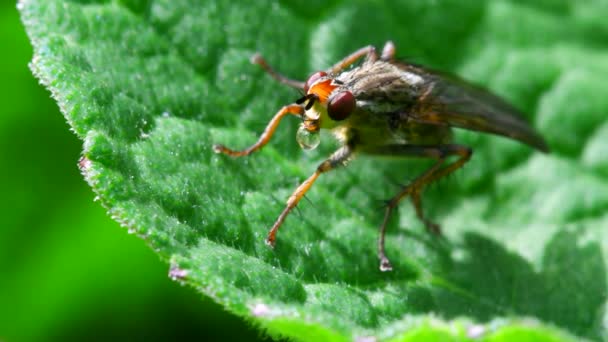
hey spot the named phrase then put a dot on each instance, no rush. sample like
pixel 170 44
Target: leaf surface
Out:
pixel 149 86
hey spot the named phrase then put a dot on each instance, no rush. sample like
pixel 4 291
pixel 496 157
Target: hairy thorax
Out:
pixel 387 96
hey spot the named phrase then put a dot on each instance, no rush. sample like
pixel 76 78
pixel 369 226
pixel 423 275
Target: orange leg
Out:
pixel 259 60
pixel 336 159
pixel 368 51
pixel 388 53
pixel 414 190
pixel 293 109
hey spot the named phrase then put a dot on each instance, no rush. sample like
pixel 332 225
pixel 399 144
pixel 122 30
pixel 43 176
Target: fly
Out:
pixel 388 107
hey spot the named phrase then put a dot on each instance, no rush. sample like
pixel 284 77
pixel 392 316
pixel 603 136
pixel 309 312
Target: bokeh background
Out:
pixel 67 271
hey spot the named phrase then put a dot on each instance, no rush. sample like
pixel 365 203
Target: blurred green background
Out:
pixel 67 271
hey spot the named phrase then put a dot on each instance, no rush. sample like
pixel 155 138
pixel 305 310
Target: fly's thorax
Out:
pixel 382 87
pixel 379 74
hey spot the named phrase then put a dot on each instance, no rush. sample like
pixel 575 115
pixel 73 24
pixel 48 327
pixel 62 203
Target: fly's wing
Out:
pixel 448 100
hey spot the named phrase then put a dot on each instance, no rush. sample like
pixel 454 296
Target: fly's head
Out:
pixel 327 104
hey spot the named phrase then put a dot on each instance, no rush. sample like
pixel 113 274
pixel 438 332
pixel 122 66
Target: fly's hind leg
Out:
pixel 414 189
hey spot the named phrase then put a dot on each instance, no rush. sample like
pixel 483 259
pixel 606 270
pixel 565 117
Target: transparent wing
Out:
pixel 449 100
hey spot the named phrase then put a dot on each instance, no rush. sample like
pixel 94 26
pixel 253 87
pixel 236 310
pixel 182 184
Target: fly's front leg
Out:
pixel 259 60
pixel 414 189
pixel 336 159
pixel 293 109
pixel 388 54
pixel 369 52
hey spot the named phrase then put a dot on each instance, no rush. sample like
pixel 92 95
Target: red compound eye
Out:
pixel 312 79
pixel 341 106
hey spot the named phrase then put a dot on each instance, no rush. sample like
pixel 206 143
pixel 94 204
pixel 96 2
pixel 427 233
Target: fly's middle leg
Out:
pixel 337 159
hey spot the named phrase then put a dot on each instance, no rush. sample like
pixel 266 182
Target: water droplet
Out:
pixel 307 140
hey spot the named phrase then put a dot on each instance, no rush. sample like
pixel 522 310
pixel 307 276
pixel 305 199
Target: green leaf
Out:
pixel 149 86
